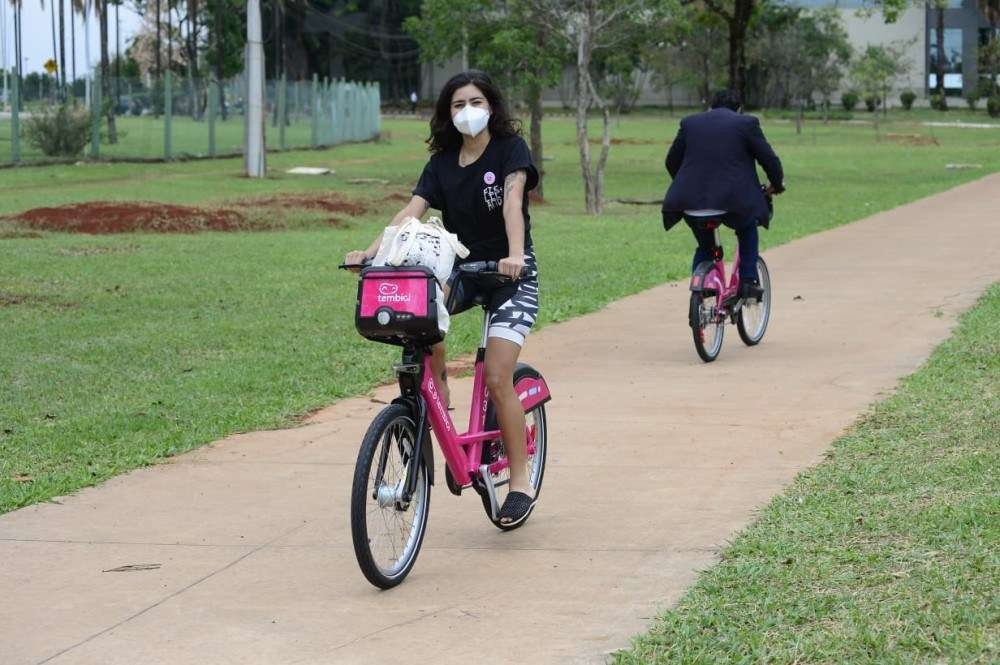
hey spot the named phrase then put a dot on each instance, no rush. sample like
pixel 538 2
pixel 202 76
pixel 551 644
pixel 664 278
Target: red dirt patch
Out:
pixel 100 217
pixel 911 139
pixel 327 203
pixel 396 196
pixel 535 198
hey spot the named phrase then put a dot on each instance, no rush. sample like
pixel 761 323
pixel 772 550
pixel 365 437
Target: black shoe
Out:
pixel 750 290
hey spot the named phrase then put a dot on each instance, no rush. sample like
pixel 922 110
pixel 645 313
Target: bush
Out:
pixel 986 89
pixel 938 104
pixel 972 99
pixel 63 132
pixel 871 102
pixel 849 100
pixel 906 98
pixel 993 106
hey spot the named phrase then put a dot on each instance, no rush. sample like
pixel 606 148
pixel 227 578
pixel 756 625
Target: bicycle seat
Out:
pixel 705 212
pixel 705 218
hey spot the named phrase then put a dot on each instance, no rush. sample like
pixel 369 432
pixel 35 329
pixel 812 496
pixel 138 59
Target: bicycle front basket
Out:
pixel 398 305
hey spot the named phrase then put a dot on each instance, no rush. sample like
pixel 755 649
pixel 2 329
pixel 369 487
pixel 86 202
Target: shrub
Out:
pixel 906 98
pixel 972 99
pixel 986 89
pixel 849 100
pixel 60 132
pixel 871 103
pixel 938 104
pixel 993 106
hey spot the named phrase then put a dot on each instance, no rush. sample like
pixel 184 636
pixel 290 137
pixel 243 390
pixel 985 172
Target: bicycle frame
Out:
pixel 711 275
pixel 462 452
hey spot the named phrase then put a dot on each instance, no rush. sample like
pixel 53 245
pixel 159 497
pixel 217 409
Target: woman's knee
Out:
pixel 500 381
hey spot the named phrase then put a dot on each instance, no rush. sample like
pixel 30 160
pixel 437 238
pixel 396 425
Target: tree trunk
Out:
pixel 582 105
pixel 55 52
pixel 939 65
pixel 737 58
pixel 62 45
pixel 159 43
pixel 535 104
pixel 170 37
pixel 603 159
pixel 219 60
pixel 109 107
pixel 72 42
pixel 118 58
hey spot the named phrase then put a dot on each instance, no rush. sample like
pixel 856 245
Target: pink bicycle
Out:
pixel 391 491
pixel 715 299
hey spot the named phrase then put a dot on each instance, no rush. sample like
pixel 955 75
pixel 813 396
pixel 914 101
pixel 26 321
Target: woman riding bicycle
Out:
pixel 478 176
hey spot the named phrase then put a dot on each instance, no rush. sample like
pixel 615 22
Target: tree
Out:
pixel 107 101
pixel 989 54
pixel 892 9
pixel 796 53
pixel 689 53
pixel 737 15
pixel 877 70
pixel 590 26
pixel 508 41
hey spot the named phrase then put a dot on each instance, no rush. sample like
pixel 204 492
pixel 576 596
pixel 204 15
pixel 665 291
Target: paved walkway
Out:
pixel 648 477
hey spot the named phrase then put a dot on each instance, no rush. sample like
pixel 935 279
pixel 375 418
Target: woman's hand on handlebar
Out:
pixel 356 258
pixel 512 266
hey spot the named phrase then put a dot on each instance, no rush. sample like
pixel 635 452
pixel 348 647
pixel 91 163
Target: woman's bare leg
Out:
pixel 501 358
pixel 440 370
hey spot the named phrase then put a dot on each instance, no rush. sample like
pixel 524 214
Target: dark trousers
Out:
pixel 746 234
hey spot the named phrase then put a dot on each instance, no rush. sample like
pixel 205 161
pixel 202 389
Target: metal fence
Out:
pixel 183 117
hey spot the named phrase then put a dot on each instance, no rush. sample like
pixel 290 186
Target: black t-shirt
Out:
pixel 470 198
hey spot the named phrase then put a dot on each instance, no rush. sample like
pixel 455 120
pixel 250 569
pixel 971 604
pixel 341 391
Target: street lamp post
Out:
pixel 254 150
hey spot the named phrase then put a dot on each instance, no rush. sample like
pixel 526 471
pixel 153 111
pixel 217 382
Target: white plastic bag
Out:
pixel 415 243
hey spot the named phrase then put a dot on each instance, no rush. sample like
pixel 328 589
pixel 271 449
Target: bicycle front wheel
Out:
pixel 707 326
pixel 751 320
pixel 386 528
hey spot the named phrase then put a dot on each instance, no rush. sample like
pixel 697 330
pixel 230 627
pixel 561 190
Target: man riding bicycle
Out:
pixel 712 163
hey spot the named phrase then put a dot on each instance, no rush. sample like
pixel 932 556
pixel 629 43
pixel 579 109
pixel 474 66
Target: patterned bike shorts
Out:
pixel 513 305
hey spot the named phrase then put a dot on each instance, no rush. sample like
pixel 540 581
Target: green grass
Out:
pixel 122 350
pixel 142 138
pixel 887 552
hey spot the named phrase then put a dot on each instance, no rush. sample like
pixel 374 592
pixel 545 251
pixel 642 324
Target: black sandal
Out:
pixel 516 508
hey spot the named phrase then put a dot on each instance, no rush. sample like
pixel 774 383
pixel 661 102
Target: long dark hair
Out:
pixel 444 136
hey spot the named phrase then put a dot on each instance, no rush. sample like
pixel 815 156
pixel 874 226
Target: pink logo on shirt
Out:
pixel 489 177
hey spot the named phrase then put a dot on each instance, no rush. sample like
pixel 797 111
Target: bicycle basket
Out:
pixel 398 305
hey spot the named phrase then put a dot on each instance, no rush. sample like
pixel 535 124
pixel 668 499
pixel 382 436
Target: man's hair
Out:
pixel 729 99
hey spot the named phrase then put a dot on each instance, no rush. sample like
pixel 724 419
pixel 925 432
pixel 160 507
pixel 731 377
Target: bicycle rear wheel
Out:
pixel 752 319
pixel 388 531
pixel 493 451
pixel 707 327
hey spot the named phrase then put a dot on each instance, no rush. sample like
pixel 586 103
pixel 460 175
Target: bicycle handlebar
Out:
pixel 472 268
pixel 487 268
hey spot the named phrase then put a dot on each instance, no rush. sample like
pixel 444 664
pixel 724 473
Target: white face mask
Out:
pixel 471 120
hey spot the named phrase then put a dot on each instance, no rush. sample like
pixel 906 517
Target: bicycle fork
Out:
pixel 410 373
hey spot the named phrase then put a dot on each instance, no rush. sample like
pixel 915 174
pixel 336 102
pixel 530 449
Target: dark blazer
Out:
pixel 712 165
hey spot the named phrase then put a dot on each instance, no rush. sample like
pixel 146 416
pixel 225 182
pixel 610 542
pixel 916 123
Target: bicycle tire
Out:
pixel 370 496
pixel 752 319
pixel 492 450
pixel 701 329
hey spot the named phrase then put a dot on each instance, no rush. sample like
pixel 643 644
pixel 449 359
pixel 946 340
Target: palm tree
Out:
pixel 109 107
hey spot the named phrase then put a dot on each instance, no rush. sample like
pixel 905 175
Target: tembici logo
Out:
pixel 389 292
